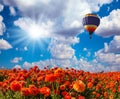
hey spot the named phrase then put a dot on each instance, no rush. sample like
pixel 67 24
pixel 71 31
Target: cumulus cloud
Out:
pixel 16 60
pixel 16 49
pixel 113 46
pixel 108 57
pixel 109 60
pixel 2 25
pixel 102 62
pixel 52 63
pixel 27 65
pixel 25 48
pixel 12 11
pixel 60 48
pixel 95 5
pixel 83 64
pixel 109 25
pixel 29 26
pixel 17 66
pixel 1 7
pixel 4 45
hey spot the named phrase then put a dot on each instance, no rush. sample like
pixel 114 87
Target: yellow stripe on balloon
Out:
pixel 94 15
pixel 90 28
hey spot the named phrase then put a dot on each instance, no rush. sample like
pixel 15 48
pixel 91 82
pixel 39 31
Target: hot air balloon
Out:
pixel 91 22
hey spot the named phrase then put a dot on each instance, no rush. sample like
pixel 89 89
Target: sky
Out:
pixel 50 33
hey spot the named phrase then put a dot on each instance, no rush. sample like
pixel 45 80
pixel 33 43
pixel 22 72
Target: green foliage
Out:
pixel 2 77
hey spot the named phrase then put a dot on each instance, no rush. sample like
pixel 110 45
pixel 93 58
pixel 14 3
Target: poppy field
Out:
pixel 58 83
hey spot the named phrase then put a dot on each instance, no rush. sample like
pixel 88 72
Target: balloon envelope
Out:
pixel 91 22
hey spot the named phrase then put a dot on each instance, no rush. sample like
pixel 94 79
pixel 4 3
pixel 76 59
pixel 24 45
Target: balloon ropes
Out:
pixel 90 23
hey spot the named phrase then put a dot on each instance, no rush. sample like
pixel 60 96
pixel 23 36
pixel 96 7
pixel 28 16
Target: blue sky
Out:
pixel 50 32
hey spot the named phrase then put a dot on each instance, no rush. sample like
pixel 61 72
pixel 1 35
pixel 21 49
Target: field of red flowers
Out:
pixel 58 83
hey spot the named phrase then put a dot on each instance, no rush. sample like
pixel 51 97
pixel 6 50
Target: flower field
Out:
pixel 58 83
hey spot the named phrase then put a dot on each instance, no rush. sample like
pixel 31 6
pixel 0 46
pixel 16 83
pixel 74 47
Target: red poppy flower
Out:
pixel 25 91
pixel 45 91
pixel 15 86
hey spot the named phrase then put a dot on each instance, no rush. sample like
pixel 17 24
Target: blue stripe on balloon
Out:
pixel 91 20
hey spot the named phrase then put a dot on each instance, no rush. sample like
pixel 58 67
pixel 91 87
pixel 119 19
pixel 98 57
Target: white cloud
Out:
pixel 27 65
pixel 30 26
pixel 16 49
pixel 12 11
pixel 2 25
pixel 95 65
pixel 105 57
pixel 95 5
pixel 52 63
pixel 109 25
pixel 1 7
pixel 62 51
pixel 17 66
pixel 41 55
pixel 113 46
pixel 108 8
pixel 25 48
pixel 109 60
pixel 109 56
pixel 85 49
pixel 4 45
pixel 8 35
pixel 88 54
pixel 60 47
pixel 16 60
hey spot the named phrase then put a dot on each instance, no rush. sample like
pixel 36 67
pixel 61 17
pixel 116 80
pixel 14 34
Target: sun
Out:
pixel 36 31
pixel 33 34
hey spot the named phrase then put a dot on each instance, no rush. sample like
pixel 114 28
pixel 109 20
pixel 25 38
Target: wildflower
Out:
pixel 67 83
pixel 79 86
pixel 67 96
pixel 22 83
pixel 80 97
pixel 50 78
pixel 25 91
pixel 62 87
pixel 45 91
pixel 119 88
pixel 33 90
pixel 60 72
pixel 15 86
pixel 90 85
pixel 105 94
pixel 64 93
pixel 114 91
pixel 111 96
pixel 97 95
pixel 1 84
pixel 40 78
pixel 4 85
